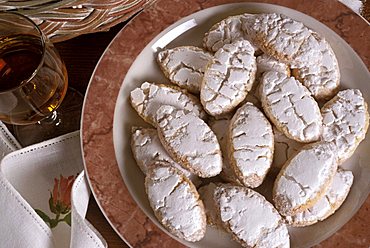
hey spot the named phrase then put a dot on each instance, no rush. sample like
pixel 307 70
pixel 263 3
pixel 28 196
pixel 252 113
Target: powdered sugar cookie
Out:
pixel 345 122
pixel 328 204
pixel 175 202
pixel 148 151
pixel 284 148
pixel 184 66
pixel 207 196
pixel 149 97
pixel 251 145
pixel 264 63
pixel 220 127
pixel 283 38
pixel 228 78
pixel 321 79
pixel 267 63
pixel 189 141
pixel 305 178
pixel 290 106
pixel 250 218
pixel 226 31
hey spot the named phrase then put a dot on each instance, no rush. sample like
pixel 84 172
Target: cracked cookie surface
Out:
pixel 224 32
pixel 321 79
pixel 305 178
pixel 328 204
pixel 288 40
pixel 345 122
pixel 149 151
pixel 184 66
pixel 267 63
pixel 149 97
pixel 290 106
pixel 250 218
pixel 228 78
pixel 189 140
pixel 175 202
pixel 251 145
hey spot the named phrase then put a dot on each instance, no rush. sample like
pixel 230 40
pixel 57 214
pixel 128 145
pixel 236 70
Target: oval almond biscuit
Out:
pixel 250 145
pixel 305 178
pixel 175 202
pixel 190 141
pixel 228 78
pixel 290 106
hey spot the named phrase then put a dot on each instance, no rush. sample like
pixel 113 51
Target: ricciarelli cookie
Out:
pixel 228 78
pixel 250 145
pixel 328 204
pixel 184 66
pixel 224 32
pixel 250 218
pixel 290 41
pixel 345 122
pixel 284 149
pixel 305 178
pixel 189 140
pixel 321 79
pixel 175 202
pixel 267 63
pixel 290 106
pixel 148 151
pixel 206 193
pixel 149 97
pixel 283 38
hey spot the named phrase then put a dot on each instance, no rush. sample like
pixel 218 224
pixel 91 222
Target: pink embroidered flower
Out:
pixel 59 202
pixel 60 199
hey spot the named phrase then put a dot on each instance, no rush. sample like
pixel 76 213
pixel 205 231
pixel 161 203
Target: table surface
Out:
pixel 81 55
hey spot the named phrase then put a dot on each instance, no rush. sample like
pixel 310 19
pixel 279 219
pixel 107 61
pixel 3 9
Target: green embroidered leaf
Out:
pixel 43 216
pixel 67 219
pixel 54 223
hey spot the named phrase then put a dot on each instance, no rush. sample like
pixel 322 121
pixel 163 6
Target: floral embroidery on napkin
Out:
pixel 59 202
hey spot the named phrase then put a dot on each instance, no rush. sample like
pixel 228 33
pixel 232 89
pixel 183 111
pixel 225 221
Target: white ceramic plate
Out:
pixel 354 74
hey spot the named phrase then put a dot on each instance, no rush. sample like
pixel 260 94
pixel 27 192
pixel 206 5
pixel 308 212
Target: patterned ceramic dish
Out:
pixel 132 66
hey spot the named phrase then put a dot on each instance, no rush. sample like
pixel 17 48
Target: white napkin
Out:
pixel 37 181
pixel 355 5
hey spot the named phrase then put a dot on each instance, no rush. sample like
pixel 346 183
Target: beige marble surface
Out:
pixel 104 176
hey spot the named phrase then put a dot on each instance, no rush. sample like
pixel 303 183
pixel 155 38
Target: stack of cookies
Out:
pixel 263 92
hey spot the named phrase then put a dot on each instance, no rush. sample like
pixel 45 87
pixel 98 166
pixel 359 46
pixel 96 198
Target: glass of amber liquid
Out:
pixel 33 80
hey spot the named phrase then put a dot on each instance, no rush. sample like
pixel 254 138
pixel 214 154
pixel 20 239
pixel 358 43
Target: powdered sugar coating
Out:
pixel 267 63
pixel 228 78
pixel 328 204
pixel 184 66
pixel 224 32
pixel 321 79
pixel 149 97
pixel 286 39
pixel 290 106
pixel 305 178
pixel 250 218
pixel 251 145
pixel 345 121
pixel 207 195
pixel 148 151
pixel 284 148
pixel 190 141
pixel 176 203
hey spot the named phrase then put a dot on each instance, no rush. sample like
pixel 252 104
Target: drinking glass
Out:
pixel 33 83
